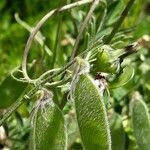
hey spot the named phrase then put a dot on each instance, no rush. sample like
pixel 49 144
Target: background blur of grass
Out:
pixel 13 36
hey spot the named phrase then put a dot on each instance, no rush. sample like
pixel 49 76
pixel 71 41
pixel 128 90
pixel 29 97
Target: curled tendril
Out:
pixel 34 81
pixel 18 79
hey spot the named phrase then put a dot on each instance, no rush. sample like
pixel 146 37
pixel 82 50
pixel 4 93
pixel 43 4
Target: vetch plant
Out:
pixel 98 64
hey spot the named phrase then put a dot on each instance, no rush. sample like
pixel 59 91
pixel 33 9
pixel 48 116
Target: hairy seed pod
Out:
pixel 91 115
pixel 140 121
pixel 48 126
pixel 117 132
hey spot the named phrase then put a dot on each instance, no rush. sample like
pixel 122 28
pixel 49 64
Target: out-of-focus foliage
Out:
pixel 13 37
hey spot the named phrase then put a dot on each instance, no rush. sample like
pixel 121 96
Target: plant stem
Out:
pixel 119 22
pixel 83 25
pixel 39 25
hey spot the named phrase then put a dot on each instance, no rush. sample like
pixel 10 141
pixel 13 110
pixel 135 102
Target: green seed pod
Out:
pixel 105 61
pixel 72 128
pixel 91 115
pixel 48 126
pixel 117 132
pixel 140 121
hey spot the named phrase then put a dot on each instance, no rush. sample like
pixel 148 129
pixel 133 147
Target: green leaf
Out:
pixel 141 121
pixel 11 89
pixel 48 131
pixel 123 78
pixel 119 93
pixel 117 132
pixel 114 10
pixel 91 115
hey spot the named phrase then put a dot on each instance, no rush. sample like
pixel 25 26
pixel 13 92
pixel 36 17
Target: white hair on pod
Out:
pixel 45 100
pixel 82 67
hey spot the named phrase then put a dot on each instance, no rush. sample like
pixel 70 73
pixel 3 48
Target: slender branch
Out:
pixel 11 110
pixel 39 25
pixel 83 25
pixel 48 73
pixel 119 22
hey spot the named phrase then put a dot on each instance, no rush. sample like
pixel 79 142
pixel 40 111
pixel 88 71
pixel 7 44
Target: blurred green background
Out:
pixel 13 37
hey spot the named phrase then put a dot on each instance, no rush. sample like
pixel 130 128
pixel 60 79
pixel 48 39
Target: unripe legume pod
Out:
pixel 140 121
pixel 91 115
pixel 48 127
